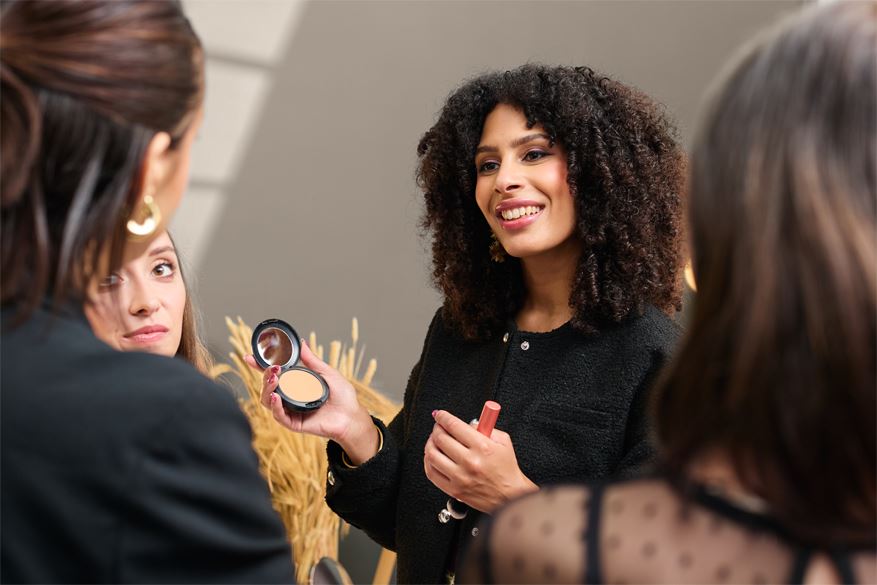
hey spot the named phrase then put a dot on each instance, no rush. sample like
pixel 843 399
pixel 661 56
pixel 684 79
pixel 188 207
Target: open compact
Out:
pixel 275 343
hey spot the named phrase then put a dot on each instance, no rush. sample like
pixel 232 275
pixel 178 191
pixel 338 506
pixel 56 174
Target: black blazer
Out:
pixel 573 404
pixel 125 467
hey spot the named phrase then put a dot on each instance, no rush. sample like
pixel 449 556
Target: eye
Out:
pixel 488 166
pixel 164 269
pixel 110 281
pixel 534 155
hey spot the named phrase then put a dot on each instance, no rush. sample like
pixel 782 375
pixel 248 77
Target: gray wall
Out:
pixel 318 223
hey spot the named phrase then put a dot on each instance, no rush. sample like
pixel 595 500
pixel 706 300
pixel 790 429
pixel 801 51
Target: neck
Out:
pixel 548 279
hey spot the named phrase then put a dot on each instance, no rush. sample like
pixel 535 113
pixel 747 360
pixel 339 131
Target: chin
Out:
pixel 521 252
pixel 165 351
pixel 157 349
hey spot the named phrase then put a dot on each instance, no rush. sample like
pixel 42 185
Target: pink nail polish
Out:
pixel 433 413
pixel 273 398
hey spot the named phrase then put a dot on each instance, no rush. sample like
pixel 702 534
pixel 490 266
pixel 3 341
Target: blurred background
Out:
pixel 303 204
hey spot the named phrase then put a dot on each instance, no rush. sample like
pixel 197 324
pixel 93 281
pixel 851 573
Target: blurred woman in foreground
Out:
pixel 766 416
pixel 116 466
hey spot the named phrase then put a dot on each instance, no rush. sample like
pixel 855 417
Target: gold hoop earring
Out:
pixel 148 225
pixel 497 252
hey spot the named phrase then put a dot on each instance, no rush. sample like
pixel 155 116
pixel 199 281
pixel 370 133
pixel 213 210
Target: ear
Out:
pixel 155 164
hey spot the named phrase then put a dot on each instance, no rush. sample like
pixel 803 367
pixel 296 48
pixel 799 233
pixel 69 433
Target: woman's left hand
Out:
pixel 480 471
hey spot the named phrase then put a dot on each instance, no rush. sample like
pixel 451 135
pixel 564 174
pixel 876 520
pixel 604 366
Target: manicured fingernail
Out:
pixel 275 369
pixel 272 379
pixel 433 413
pixel 273 398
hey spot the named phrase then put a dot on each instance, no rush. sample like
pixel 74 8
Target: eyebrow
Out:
pixel 162 250
pixel 515 143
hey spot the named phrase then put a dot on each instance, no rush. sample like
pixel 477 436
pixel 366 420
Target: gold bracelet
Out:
pixel 346 461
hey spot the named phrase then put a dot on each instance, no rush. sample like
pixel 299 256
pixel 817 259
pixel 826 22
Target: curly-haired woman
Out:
pixel 553 201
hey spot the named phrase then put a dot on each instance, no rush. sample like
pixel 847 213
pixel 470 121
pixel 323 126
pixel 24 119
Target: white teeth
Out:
pixel 510 214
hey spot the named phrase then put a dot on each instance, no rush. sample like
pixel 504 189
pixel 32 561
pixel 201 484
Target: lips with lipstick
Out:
pixel 148 334
pixel 517 213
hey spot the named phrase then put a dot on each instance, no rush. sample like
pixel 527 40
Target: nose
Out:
pixel 508 178
pixel 144 301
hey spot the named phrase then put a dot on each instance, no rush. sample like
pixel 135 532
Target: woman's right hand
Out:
pixel 341 419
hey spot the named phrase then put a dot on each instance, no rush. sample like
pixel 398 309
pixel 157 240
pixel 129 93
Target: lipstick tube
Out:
pixel 454 508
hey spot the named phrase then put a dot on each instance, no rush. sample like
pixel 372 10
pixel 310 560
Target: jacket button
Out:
pixel 525 345
pixel 475 531
pixel 505 338
pixel 330 477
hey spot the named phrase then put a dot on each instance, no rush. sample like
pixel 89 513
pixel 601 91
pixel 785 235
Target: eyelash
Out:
pixel 482 168
pixel 526 158
pixel 171 266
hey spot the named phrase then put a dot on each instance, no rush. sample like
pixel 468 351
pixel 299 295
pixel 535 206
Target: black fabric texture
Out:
pixel 573 404
pixel 125 467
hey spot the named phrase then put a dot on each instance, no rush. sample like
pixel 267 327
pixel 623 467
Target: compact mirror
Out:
pixel 275 343
pixel 274 346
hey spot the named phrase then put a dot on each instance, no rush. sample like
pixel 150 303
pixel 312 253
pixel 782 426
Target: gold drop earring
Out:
pixel 140 230
pixel 497 252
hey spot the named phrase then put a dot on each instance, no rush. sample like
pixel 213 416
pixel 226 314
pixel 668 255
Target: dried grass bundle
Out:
pixel 295 464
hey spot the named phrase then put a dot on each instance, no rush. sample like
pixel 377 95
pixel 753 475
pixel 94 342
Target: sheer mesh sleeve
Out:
pixel 640 531
pixel 650 533
pixel 537 539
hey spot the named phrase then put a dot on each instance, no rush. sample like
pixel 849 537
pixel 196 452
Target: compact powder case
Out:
pixel 275 343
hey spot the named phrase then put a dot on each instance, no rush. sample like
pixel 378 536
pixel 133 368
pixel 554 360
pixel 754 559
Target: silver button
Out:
pixel 330 477
pixel 505 338
pixel 525 345
pixel 475 531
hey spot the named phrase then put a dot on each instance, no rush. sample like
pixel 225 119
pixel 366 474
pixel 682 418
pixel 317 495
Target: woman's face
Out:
pixel 140 306
pixel 522 187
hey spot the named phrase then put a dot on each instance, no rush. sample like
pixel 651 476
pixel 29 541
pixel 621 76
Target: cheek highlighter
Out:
pixel 301 386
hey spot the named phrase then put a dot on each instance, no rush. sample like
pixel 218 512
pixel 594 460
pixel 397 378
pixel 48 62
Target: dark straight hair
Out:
pixel 86 84
pixel 777 370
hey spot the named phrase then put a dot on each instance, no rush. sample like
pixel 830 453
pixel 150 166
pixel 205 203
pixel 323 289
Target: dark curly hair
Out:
pixel 626 171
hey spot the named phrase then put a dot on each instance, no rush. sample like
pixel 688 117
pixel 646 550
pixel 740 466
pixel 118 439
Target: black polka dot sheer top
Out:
pixel 647 531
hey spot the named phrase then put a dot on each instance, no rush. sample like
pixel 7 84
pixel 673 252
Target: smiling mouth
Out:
pixel 513 213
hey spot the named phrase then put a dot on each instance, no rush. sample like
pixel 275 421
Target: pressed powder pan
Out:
pixel 275 343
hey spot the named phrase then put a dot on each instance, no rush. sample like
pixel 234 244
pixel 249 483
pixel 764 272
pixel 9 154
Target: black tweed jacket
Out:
pixel 573 404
